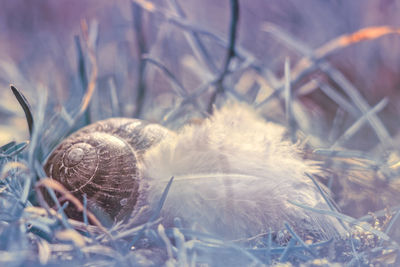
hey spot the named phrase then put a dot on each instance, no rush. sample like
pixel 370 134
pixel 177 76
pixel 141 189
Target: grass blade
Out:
pixel 25 106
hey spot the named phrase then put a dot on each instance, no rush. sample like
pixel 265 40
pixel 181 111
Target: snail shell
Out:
pixel 234 175
pixel 102 161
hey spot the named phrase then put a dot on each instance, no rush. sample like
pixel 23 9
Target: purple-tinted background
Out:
pixel 38 37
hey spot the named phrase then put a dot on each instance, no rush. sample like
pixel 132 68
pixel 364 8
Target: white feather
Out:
pixel 233 176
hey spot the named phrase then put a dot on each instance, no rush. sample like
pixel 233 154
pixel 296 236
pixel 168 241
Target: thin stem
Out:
pixel 137 14
pixel 230 53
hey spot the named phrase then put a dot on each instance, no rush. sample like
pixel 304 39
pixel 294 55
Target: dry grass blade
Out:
pixel 7 146
pixel 307 88
pixel 360 102
pixel 93 75
pixel 301 242
pixel 81 68
pixel 71 235
pixel 185 57
pixel 116 111
pixel 164 238
pixel 181 246
pixel 81 64
pixel 14 150
pixel 310 62
pixel 179 89
pixel 25 106
pixel 339 99
pixel 242 54
pixel 287 250
pixel 359 123
pixel 147 5
pixel 364 225
pixel 290 120
pixel 12 166
pixel 344 154
pixel 365 34
pixel 56 186
pixel 102 250
pixel 44 251
pixel 141 43
pixel 189 99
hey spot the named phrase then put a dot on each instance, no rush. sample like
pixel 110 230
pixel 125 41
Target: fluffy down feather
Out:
pixel 234 174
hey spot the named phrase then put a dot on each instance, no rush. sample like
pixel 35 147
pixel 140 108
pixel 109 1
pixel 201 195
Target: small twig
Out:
pixel 25 106
pixel 230 53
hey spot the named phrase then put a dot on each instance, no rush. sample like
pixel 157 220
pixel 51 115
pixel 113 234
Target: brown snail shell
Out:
pixel 102 161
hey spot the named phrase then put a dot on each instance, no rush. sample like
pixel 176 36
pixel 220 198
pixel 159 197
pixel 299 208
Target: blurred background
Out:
pixel 144 58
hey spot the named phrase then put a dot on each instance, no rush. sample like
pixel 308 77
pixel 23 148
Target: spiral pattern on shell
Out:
pixel 102 160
